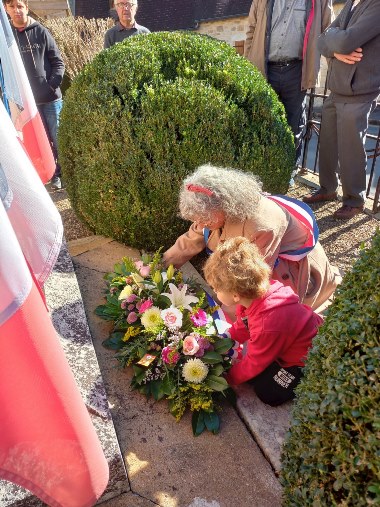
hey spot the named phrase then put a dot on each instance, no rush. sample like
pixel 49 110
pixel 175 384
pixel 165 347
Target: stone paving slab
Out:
pixel 166 465
pixel 268 424
pixel 69 319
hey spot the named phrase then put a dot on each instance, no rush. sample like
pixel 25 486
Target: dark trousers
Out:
pixel 275 385
pixel 342 148
pixel 286 82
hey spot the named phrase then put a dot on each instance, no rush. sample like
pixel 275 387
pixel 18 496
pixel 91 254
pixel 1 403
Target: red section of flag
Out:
pixel 48 444
pixel 37 146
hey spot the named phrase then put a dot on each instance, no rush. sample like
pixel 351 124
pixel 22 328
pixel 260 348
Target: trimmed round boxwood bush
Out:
pixel 332 453
pixel 146 112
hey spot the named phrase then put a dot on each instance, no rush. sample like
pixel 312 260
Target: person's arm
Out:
pixel 262 350
pixel 335 40
pixel 186 246
pixel 107 41
pixel 239 331
pixel 252 20
pixel 56 62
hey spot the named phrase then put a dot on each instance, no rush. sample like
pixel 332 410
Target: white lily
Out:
pixel 178 297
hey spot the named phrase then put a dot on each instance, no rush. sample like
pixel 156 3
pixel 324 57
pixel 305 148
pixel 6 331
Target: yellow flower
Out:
pixel 151 318
pixel 170 272
pixel 194 370
pixel 131 331
pixel 157 277
pixel 137 279
pixel 127 291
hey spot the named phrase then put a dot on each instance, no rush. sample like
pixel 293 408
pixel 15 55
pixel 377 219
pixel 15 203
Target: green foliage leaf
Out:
pixel 212 357
pixel 223 345
pixel 216 383
pixel 212 422
pixel 198 422
pixel 115 341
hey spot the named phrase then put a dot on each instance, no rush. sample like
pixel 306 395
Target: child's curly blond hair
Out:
pixel 237 266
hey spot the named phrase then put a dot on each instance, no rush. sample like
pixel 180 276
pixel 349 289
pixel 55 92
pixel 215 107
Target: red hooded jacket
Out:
pixel 276 327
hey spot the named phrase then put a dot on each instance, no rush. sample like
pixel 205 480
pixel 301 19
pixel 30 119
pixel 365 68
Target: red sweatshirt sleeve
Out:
pixel 262 350
pixel 239 331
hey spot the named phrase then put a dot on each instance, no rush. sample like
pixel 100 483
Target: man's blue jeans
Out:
pixel 50 117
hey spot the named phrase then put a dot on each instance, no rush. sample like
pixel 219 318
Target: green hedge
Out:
pixel 146 112
pixel 332 454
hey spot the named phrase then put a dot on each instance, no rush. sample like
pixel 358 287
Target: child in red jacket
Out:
pixel 275 327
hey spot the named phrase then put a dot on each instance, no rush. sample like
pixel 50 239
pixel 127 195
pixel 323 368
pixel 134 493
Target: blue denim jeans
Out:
pixel 50 117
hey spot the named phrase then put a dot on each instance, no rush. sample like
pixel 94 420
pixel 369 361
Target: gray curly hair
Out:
pixel 232 191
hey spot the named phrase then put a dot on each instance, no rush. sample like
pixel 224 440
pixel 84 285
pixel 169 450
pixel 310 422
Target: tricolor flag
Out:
pixel 304 214
pixel 18 95
pixel 47 441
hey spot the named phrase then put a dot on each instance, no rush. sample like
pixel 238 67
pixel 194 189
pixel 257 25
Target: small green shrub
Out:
pixel 145 113
pixel 332 454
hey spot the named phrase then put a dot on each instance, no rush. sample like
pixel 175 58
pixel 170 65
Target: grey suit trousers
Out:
pixel 342 149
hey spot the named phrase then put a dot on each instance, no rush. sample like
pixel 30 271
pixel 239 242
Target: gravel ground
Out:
pixel 341 239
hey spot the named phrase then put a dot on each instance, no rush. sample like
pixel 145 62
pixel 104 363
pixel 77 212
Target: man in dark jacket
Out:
pixel 44 68
pixel 352 43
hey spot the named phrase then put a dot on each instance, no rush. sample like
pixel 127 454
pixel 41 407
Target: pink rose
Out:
pixel 132 317
pixel 190 345
pixel 199 318
pixel 144 271
pixel 170 356
pixel 139 264
pixel 145 305
pixel 131 298
pixel 172 318
pixel 131 307
pixel 123 305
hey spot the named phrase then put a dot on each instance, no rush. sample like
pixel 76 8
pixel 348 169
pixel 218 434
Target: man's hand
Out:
pixel 352 58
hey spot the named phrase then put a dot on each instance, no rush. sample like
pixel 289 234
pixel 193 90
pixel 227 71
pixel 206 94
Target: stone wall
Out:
pixel 230 30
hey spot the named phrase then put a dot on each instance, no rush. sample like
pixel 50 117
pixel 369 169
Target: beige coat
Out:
pixel 273 230
pixel 255 49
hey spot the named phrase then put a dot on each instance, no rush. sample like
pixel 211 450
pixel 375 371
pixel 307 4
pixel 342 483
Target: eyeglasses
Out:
pixel 127 5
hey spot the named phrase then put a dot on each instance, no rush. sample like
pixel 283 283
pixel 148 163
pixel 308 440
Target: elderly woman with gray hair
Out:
pixel 225 203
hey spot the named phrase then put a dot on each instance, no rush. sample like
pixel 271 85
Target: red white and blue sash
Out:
pixel 304 214
pixel 301 212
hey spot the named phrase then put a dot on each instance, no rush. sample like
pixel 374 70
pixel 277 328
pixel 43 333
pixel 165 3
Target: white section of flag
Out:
pixel 32 214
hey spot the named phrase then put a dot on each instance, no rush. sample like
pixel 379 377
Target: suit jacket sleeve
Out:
pixel 336 40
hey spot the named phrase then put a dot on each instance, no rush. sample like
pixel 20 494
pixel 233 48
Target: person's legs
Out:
pixel 50 116
pixel 286 82
pixel 328 148
pixel 352 126
pixel 275 385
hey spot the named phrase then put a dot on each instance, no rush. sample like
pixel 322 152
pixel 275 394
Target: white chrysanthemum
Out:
pixel 194 370
pixel 127 291
pixel 151 318
pixel 178 297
